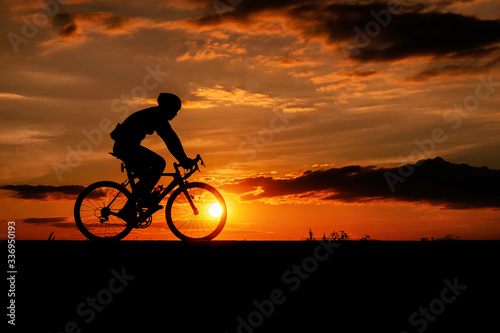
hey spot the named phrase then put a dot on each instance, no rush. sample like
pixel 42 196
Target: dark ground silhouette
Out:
pixel 65 286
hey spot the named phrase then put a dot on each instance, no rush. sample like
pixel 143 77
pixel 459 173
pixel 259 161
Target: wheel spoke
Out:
pixel 185 223
pixel 93 207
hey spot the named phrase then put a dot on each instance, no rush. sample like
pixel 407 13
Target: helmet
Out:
pixel 169 101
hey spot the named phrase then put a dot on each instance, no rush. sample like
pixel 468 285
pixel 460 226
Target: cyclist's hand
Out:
pixel 188 164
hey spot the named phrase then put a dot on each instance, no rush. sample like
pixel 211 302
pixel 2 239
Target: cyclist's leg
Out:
pixel 148 166
pixel 156 165
pixel 126 152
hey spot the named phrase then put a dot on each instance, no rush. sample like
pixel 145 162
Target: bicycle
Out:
pixel 194 211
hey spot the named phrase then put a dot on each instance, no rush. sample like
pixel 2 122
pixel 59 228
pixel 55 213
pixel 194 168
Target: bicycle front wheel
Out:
pixel 96 208
pixel 196 211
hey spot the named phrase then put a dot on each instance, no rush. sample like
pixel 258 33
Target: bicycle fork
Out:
pixel 190 200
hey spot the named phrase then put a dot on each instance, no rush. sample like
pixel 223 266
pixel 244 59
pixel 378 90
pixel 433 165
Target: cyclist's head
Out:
pixel 169 103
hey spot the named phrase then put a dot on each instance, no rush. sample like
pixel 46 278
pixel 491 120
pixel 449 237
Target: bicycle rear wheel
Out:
pixel 95 208
pixel 202 221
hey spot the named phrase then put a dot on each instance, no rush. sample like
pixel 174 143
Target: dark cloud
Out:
pixel 457 69
pixel 106 20
pixel 43 192
pixel 432 181
pixel 370 32
pixel 43 220
pixel 428 34
pixel 64 24
pixel 360 73
pixel 114 22
pixel 57 222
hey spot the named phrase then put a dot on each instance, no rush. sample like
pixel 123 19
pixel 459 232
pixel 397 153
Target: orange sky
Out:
pixel 279 97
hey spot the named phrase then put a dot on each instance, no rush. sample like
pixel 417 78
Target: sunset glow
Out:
pixel 372 117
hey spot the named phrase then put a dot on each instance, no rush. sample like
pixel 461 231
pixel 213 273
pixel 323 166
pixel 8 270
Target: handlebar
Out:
pixel 193 169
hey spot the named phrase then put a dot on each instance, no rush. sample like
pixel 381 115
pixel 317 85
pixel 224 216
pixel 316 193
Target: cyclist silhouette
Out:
pixel 142 162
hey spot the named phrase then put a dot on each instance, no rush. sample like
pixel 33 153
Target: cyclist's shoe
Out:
pixel 128 213
pixel 130 218
pixel 150 205
pixel 155 208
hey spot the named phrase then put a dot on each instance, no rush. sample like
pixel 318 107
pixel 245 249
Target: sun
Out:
pixel 215 210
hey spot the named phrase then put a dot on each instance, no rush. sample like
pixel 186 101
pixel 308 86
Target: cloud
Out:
pixel 301 74
pixel 42 220
pixel 43 192
pixel 186 104
pixel 64 24
pixel 11 96
pixel 287 61
pixel 413 30
pixel 237 96
pixel 428 34
pixel 71 24
pixel 455 69
pixel 24 136
pixel 219 95
pixel 212 50
pixel 75 28
pixel 433 181
pixel 419 28
pixel 187 4
pixel 58 222
pixel 345 85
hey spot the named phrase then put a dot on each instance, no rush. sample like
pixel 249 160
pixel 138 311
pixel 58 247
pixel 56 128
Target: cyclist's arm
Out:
pixel 174 145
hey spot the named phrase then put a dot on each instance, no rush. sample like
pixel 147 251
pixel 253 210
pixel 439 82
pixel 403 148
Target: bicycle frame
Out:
pixel 110 210
pixel 178 180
